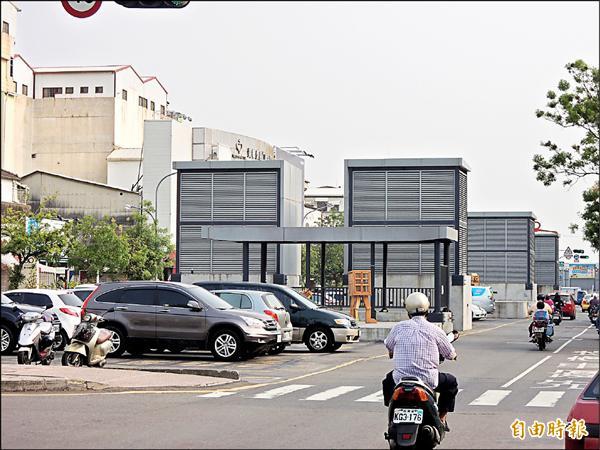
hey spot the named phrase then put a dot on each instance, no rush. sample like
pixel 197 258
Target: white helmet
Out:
pixel 416 303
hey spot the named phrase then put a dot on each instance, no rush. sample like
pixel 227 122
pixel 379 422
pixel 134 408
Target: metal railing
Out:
pixel 338 296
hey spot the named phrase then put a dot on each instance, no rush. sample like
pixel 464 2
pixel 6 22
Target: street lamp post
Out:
pixel 322 208
pixel 156 195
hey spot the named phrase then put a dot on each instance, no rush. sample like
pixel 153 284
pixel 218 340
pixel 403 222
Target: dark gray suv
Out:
pixel 156 314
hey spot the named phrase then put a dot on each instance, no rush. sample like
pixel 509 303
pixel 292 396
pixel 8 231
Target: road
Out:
pixel 303 400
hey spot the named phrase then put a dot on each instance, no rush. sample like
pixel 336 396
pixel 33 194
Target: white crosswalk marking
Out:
pixel 376 397
pixel 332 393
pixel 490 398
pixel 216 394
pixel 278 392
pixel 546 399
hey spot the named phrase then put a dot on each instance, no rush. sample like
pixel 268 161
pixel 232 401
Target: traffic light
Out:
pixel 578 251
pixel 153 4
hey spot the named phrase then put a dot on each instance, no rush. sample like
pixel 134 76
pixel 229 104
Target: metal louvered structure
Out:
pixel 407 192
pixel 239 193
pixel 501 247
pixel 546 259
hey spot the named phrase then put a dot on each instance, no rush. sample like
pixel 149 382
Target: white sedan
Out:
pixel 63 303
pixel 478 312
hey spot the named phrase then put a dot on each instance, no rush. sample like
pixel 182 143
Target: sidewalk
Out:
pixel 17 378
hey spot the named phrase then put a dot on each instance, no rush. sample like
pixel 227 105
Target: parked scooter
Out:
pixel 36 340
pixel 89 344
pixel 413 418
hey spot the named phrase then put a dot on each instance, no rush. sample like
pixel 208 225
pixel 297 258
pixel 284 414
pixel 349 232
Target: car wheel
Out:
pixel 226 345
pixel 319 340
pixel 572 317
pixel 336 346
pixel 7 339
pixel 118 341
pixel 60 341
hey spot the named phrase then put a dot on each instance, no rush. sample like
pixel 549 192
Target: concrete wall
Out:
pixel 23 75
pixel 122 173
pixel 73 198
pixel 72 137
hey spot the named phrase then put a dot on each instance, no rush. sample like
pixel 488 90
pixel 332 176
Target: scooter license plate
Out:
pixel 278 338
pixel 56 328
pixel 405 415
pixel 538 330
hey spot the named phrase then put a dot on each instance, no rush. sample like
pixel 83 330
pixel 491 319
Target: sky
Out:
pixel 345 80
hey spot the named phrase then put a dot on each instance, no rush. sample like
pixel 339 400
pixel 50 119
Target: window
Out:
pixel 139 296
pixel 234 300
pixel 5 27
pixel 83 90
pixel 168 297
pixel 70 300
pixel 124 95
pixel 110 297
pixel 82 293
pixel 36 299
pixel 272 302
pixel 246 302
pixel 51 92
pixel 162 110
pixel 68 90
pixel 152 106
pixel 11 67
pixel 143 102
pixel 16 297
pixel 24 89
pixel 99 89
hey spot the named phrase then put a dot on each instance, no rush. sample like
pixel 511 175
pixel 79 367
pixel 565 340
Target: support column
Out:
pixel 384 277
pixel 446 280
pixel 372 282
pixel 246 261
pixel 322 273
pixel 307 268
pixel 437 275
pixel 263 262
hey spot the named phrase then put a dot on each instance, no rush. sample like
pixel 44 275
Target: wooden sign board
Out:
pixel 359 282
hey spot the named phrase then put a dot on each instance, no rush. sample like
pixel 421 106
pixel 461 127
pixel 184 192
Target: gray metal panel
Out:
pixel 517 234
pixel 501 214
pixel 463 238
pixel 437 195
pixel 261 197
pixel 495 267
pixel 495 234
pixel 476 237
pixel 545 273
pixel 368 196
pixel 463 199
pixel 403 195
pixel 196 200
pixel 228 196
pixel 477 263
pixel 194 252
pixel 408 162
pixel 516 267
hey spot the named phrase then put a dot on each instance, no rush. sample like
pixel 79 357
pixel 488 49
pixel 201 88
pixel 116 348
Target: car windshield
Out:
pixel 6 300
pixel 299 298
pixel 82 293
pixel 272 302
pixel 70 300
pixel 207 298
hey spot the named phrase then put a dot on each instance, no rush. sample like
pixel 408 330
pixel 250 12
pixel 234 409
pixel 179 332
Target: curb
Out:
pixel 50 385
pixel 216 373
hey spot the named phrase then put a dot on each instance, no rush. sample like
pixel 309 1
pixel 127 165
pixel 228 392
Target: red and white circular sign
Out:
pixel 81 9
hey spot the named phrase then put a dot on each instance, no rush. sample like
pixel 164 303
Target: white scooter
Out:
pixel 89 344
pixel 36 340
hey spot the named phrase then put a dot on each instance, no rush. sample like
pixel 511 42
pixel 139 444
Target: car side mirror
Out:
pixel 194 305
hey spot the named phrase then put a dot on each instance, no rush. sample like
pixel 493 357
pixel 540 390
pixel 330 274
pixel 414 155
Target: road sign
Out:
pixel 568 253
pixel 81 9
pixel 576 257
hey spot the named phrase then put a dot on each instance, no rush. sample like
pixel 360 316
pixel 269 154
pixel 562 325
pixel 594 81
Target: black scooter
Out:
pixel 413 417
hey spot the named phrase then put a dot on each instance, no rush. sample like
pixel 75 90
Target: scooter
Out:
pixel 36 340
pixel 593 314
pixel 541 332
pixel 89 344
pixel 557 316
pixel 413 417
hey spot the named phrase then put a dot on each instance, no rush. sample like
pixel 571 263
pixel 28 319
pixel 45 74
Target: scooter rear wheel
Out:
pixel 72 359
pixel 23 357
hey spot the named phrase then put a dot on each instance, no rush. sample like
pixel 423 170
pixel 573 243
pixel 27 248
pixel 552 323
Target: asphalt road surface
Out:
pixel 304 400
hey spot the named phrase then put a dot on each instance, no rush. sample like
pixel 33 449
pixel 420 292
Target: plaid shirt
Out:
pixel 417 345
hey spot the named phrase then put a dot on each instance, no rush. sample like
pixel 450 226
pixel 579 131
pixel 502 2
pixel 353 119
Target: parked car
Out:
pixel 483 296
pixel 569 304
pixel 587 407
pixel 151 314
pixel 477 312
pixel 63 303
pixel 83 290
pixel 265 303
pixel 320 329
pixel 11 323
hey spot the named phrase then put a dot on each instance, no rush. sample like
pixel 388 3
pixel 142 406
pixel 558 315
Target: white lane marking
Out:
pixel 522 374
pixel 546 399
pixel 490 398
pixel 332 393
pixel 216 394
pixel 571 340
pixel 278 392
pixel 376 397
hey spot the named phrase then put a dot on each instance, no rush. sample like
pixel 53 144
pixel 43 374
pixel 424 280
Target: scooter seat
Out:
pixel 104 336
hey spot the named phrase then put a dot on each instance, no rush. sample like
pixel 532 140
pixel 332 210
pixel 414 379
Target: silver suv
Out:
pixel 176 316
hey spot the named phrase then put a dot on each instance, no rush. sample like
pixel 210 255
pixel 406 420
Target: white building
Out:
pixel 321 201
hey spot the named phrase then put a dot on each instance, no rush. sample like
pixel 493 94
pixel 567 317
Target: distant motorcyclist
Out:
pixel 558 301
pixel 541 313
pixel 416 346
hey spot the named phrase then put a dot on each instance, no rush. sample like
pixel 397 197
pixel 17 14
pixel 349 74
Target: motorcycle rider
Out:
pixel 542 313
pixel 558 302
pixel 416 346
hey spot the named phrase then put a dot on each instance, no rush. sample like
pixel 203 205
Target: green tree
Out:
pixel 97 246
pixel 334 262
pixel 148 245
pixel 576 105
pixel 40 240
